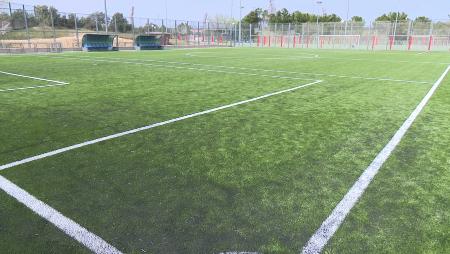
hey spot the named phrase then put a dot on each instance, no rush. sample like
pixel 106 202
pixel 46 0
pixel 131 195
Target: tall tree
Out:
pixel 121 22
pixel 357 19
pixel 253 17
pixel 393 16
pixel 423 19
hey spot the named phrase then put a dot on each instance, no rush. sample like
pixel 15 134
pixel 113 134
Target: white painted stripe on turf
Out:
pixel 68 226
pixel 30 87
pixel 91 142
pixel 35 78
pixel 99 59
pixel 259 70
pixel 320 238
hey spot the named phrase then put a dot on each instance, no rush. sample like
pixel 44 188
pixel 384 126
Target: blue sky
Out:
pixel 196 9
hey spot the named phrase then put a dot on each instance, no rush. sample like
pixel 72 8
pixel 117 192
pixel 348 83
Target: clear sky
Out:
pixel 196 9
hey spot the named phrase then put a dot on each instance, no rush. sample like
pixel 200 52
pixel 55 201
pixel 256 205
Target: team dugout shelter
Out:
pixel 150 41
pixel 100 42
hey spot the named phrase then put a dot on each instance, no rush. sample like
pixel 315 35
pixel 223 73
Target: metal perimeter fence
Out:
pixel 42 29
pixel 404 35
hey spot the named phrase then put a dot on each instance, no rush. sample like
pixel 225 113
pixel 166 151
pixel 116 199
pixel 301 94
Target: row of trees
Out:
pixel 43 15
pixel 284 16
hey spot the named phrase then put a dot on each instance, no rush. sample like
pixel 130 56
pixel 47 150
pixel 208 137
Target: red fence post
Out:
pixel 410 42
pixel 430 43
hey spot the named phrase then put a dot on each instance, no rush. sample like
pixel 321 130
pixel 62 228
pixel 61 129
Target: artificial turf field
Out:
pixel 258 176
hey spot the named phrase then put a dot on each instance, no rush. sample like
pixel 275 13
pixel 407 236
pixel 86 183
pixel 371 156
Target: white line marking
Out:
pixel 91 142
pixel 30 87
pixel 320 238
pixel 35 78
pixel 255 69
pixel 99 59
pixel 68 226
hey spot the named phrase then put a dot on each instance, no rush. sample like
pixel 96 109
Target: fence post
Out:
pixel 115 25
pixel 409 37
pixel 275 34
pixel 76 30
pixel 289 36
pixel 209 37
pixel 198 33
pixel 176 34
pixel 25 17
pixel 430 43
pixel 132 24
pixel 96 24
pixel 250 33
pixel 10 9
pixel 369 35
pixel 53 25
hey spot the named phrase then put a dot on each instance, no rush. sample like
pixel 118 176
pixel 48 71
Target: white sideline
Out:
pixel 35 78
pixel 253 69
pixel 29 87
pixel 320 238
pixel 91 142
pixel 68 226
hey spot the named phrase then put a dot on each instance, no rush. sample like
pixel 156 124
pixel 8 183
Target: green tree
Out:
pixel 330 18
pixel 393 16
pixel 94 20
pixel 357 19
pixel 423 19
pixel 17 20
pixel 122 23
pixel 254 17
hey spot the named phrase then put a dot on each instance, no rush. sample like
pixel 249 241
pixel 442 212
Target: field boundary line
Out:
pixel 35 78
pixel 257 69
pixel 68 226
pixel 321 237
pixel 151 126
pixel 29 87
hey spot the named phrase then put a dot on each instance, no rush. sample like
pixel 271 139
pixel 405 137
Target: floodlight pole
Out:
pixel 318 14
pixel 106 17
pixel 348 12
pixel 395 29
pixel 240 22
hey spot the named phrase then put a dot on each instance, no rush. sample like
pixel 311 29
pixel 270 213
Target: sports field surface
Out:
pixel 225 150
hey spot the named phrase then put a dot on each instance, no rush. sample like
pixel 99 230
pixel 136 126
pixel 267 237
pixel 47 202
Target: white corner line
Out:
pixel 35 78
pixel 321 237
pixel 68 226
pixel 151 126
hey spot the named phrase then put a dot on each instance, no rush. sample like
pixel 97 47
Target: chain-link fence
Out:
pixel 26 28
pixel 41 28
pixel 406 35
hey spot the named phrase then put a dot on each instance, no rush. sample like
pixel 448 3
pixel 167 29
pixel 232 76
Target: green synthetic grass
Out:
pixel 258 177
